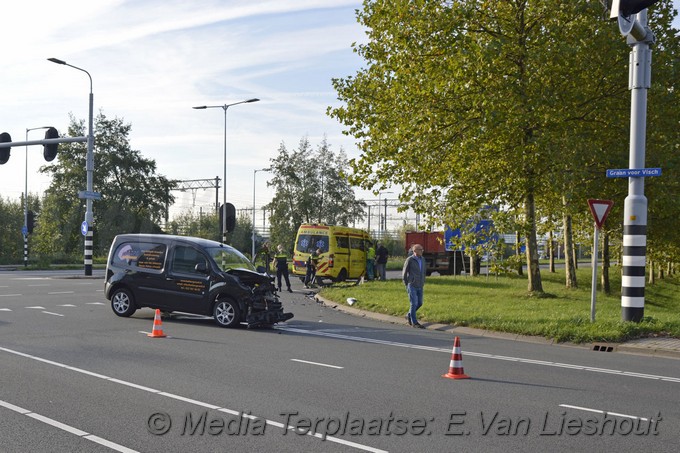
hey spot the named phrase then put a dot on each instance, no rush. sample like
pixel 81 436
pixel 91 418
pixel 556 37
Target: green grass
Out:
pixel 503 304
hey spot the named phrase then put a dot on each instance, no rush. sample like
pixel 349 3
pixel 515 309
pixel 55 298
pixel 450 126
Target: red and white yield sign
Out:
pixel 600 210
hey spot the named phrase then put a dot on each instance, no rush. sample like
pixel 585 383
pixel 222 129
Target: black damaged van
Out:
pixel 191 275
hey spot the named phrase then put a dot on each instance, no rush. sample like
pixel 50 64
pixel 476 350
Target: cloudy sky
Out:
pixel 152 60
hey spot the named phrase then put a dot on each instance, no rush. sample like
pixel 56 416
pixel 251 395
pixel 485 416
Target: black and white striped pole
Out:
pixel 632 19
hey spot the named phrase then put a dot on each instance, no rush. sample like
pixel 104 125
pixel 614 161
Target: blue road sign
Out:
pixel 89 195
pixel 84 227
pixel 633 172
pixel 24 230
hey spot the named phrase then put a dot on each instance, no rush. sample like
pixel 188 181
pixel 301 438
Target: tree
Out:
pixel 478 103
pixel 310 188
pixel 134 196
pixel 11 242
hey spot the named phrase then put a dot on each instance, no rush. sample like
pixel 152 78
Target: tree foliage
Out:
pixel 134 197
pixel 511 103
pixel 311 187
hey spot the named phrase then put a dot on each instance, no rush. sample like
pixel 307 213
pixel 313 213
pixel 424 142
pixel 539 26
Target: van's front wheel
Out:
pixel 226 313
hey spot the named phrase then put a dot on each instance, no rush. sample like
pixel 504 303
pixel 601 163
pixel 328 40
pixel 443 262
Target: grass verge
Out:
pixel 503 304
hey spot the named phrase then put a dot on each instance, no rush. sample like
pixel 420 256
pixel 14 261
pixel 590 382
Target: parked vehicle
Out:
pixel 439 258
pixel 343 252
pixel 192 275
pixel 441 253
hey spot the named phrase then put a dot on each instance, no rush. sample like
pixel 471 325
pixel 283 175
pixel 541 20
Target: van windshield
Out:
pixel 229 258
pixel 307 243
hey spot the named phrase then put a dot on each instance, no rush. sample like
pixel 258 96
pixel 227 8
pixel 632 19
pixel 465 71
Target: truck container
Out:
pixel 440 255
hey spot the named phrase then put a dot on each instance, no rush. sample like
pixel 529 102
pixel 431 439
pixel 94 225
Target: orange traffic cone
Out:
pixel 456 365
pixel 157 331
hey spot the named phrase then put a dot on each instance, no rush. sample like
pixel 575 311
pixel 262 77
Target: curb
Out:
pixel 626 348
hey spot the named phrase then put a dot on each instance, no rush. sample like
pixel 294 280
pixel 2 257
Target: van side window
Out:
pixel 356 243
pixel 186 259
pixel 144 255
pixel 343 242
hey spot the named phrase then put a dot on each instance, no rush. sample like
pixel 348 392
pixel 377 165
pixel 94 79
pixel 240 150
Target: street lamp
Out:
pixel 89 168
pixel 224 182
pixel 25 231
pixel 255 173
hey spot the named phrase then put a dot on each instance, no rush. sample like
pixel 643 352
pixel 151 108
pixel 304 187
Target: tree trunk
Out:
pixel 651 272
pixel 533 269
pixel 606 287
pixel 551 251
pixel 518 252
pixel 569 268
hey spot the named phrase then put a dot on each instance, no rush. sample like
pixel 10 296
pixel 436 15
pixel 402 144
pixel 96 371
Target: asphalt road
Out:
pixel 75 377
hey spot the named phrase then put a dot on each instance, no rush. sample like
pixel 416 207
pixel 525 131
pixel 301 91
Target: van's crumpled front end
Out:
pixel 263 306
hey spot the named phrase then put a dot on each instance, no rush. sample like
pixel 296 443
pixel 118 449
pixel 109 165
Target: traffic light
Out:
pixel 231 217
pixel 627 8
pixel 30 221
pixel 50 151
pixel 4 152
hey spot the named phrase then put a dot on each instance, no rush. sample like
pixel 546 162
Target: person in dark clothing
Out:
pixel 381 262
pixel 281 262
pixel 312 263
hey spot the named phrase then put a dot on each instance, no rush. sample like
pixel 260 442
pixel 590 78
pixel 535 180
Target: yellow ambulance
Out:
pixel 343 251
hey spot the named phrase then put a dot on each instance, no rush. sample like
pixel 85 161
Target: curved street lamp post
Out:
pixel 224 182
pixel 89 168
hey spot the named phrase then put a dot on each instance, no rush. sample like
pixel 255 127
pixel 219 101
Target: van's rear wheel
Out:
pixel 123 302
pixel 226 313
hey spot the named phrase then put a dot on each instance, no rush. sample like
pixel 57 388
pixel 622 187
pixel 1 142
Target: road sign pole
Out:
pixel 593 291
pixel 635 205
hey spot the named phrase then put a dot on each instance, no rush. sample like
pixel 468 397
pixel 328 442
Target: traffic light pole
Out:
pixel 635 204
pixel 25 230
pixel 89 167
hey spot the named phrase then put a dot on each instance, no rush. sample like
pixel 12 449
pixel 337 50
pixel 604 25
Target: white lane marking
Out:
pixel 484 356
pixel 321 436
pixel 66 305
pixel 5 309
pixel 50 313
pixel 9 295
pixel 67 428
pixel 598 411
pixel 32 278
pixel 317 363
pixel 94 303
pixel 61 292
pixel 36 286
pixel 37 307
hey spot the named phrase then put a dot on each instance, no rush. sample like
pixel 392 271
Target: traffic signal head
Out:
pixel 627 8
pixel 30 221
pixel 4 152
pixel 230 211
pixel 50 151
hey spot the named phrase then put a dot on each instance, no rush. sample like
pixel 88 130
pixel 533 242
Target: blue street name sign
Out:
pixel 89 195
pixel 633 172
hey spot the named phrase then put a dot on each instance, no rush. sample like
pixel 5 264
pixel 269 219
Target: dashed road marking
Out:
pixel 64 427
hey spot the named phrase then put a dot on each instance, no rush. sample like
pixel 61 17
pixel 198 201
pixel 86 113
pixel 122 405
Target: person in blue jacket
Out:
pixel 413 276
